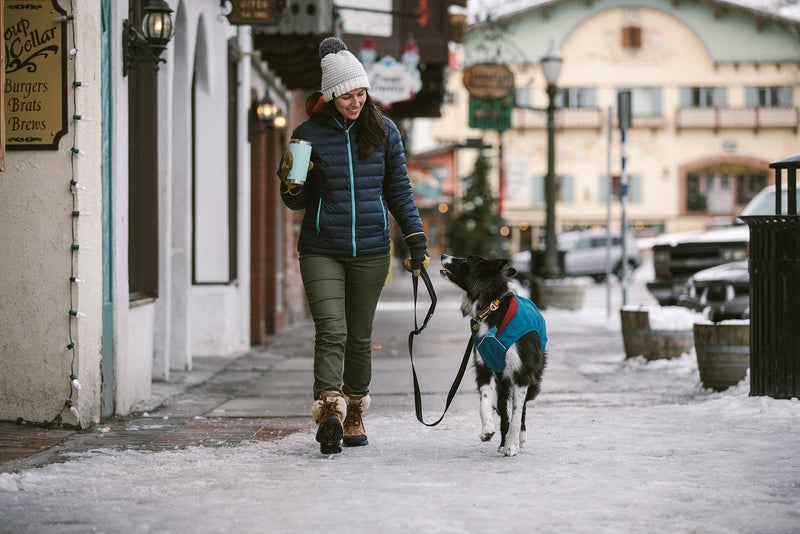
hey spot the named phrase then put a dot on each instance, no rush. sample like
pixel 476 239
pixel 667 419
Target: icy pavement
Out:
pixel 614 446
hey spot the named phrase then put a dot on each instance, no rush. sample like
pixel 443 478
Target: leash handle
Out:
pixel 417 330
pixel 431 293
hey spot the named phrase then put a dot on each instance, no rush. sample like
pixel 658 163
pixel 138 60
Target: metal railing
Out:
pixel 746 118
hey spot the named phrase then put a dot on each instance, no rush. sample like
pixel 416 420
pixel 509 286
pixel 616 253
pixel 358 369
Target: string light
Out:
pixel 77 185
pixel 74 187
pixel 73 410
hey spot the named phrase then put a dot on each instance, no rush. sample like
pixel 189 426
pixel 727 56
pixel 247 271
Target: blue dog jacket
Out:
pixel 522 317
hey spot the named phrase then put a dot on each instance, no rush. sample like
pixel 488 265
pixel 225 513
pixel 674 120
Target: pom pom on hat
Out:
pixel 341 71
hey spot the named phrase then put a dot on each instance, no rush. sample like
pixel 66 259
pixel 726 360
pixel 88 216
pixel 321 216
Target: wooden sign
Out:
pixel 252 12
pixel 35 83
pixel 488 80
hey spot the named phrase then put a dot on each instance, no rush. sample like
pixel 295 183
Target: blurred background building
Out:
pixel 714 89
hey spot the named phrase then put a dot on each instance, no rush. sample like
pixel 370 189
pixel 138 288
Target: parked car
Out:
pixel 724 290
pixel 581 253
pixel 676 257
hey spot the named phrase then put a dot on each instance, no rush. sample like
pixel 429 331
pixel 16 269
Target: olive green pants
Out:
pixel 342 294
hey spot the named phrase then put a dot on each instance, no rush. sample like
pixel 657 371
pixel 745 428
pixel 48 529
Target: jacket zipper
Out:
pixel 319 213
pixel 352 186
pixel 383 210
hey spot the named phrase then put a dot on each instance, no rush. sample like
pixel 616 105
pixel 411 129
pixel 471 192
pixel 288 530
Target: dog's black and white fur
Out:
pixel 482 281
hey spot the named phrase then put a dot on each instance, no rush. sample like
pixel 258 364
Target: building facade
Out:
pixel 714 92
pixel 143 226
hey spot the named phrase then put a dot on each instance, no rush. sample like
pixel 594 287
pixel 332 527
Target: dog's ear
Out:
pixel 497 265
pixel 504 266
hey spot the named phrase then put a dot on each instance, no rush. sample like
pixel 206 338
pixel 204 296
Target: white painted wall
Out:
pixel 150 338
pixel 154 338
pixel 36 234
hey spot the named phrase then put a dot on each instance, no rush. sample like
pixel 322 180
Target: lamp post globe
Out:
pixel 551 65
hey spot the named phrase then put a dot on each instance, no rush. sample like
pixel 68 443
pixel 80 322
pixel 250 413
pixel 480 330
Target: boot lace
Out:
pixel 352 420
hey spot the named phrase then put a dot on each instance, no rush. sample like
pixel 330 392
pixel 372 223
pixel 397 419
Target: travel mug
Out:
pixel 301 156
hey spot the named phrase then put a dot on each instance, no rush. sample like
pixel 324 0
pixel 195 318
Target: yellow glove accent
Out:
pixel 425 263
pixel 286 167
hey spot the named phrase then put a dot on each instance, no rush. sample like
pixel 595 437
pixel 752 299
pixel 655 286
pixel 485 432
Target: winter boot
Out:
pixel 354 434
pixel 328 412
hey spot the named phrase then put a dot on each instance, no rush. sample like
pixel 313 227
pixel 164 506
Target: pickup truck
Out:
pixel 676 257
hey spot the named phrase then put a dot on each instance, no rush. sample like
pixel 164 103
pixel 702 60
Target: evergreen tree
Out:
pixel 476 230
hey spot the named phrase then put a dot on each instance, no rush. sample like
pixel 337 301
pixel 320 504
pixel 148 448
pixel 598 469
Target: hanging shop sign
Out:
pixel 35 84
pixel 491 114
pixel 392 81
pixel 488 80
pixel 252 12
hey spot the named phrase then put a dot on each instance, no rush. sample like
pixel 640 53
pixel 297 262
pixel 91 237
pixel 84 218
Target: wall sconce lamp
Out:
pixel 147 44
pixel 269 114
pixel 266 110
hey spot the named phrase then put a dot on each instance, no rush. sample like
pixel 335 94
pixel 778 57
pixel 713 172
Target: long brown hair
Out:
pixel 371 134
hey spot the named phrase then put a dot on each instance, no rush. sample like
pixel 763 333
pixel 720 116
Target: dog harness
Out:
pixel 522 317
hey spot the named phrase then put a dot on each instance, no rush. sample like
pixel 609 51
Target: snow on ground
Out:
pixel 645 449
pixel 726 464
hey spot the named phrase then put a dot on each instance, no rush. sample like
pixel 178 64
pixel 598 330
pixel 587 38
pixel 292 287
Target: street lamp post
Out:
pixel 551 68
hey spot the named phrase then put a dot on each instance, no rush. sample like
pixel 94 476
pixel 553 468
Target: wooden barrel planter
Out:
pixel 641 340
pixel 560 295
pixel 723 353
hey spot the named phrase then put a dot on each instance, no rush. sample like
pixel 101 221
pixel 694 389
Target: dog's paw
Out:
pixel 523 438
pixel 486 436
pixel 511 450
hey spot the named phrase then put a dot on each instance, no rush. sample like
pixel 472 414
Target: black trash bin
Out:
pixel 774 267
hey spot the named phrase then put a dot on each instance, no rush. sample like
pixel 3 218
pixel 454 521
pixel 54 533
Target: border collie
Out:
pixel 509 335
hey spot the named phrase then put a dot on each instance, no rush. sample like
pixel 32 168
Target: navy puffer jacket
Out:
pixel 346 199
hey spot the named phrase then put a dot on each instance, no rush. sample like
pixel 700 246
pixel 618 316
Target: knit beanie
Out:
pixel 341 71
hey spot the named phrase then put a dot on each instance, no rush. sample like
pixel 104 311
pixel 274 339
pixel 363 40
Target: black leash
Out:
pixel 417 331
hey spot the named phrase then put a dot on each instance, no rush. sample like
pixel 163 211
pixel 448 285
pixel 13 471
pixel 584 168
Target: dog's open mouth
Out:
pixel 448 275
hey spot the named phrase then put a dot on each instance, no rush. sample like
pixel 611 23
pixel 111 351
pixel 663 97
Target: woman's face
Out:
pixel 350 104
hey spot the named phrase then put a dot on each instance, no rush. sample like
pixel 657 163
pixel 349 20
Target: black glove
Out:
pixel 420 259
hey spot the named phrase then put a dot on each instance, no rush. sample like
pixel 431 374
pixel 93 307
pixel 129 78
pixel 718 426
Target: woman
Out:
pixel 357 173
